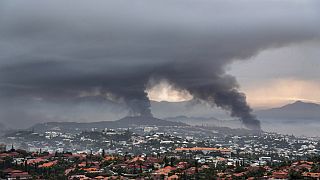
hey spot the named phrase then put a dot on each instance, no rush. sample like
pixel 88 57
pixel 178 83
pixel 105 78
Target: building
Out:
pixel 205 150
pixel 3 147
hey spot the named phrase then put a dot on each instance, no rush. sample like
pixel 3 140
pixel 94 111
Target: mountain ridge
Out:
pixel 295 110
pixel 125 122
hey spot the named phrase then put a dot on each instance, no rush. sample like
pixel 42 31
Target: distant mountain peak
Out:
pixel 298 102
pixel 301 104
pixel 296 110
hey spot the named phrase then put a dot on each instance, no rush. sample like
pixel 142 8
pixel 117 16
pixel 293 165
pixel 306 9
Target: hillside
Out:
pixel 294 111
pixel 121 123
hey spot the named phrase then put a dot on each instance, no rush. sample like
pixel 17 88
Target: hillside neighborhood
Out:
pixel 156 152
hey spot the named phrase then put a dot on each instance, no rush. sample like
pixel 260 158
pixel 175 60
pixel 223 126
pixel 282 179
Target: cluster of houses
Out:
pixel 182 163
pixel 155 153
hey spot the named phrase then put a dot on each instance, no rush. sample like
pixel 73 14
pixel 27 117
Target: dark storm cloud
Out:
pixel 60 50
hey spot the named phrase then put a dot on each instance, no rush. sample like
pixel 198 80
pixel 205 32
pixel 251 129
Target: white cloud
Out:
pixel 165 91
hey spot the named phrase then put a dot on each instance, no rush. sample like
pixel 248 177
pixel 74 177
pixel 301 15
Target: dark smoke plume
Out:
pixel 58 52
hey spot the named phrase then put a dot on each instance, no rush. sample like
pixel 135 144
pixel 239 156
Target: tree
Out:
pixel 172 159
pixel 103 153
pixel 295 175
pixel 166 161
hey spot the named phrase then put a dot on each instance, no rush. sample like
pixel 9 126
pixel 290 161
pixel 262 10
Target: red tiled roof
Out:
pixel 280 175
pixel 312 175
pixel 32 161
pixel 48 164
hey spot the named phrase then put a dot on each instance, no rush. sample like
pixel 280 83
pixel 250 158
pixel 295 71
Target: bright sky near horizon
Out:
pixel 268 79
pixel 280 76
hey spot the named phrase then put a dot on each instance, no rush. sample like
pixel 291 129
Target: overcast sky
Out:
pixel 57 53
pixel 283 75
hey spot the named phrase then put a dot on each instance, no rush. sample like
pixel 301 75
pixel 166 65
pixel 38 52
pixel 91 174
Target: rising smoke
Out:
pixel 55 51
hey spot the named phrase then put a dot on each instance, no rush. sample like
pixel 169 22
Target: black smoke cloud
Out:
pixel 61 51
